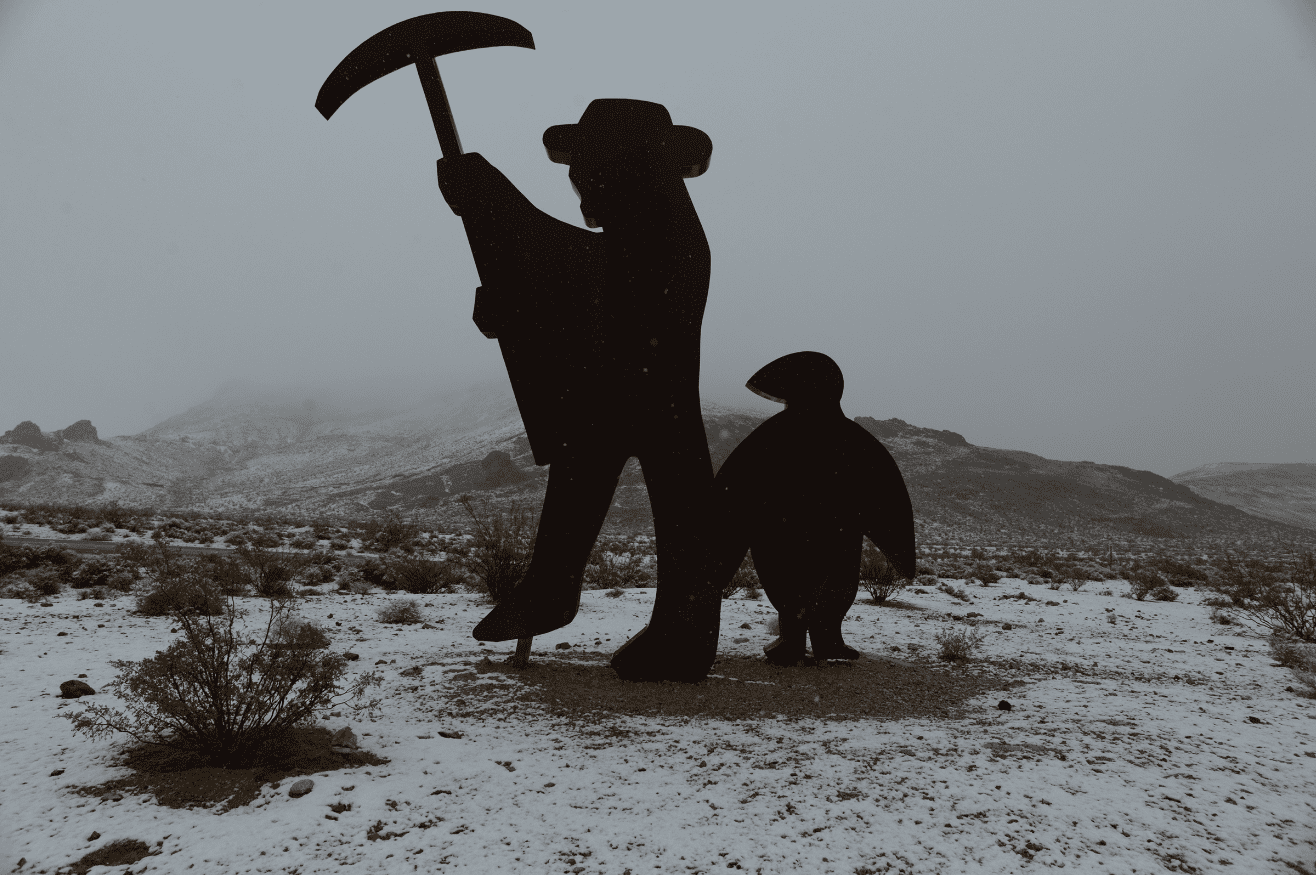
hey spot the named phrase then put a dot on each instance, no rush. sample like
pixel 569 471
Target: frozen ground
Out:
pixel 1161 742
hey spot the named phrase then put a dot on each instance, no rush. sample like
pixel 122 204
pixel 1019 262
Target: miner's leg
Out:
pixel 680 641
pixel 580 488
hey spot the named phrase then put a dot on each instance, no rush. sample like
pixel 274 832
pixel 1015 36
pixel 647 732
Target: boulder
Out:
pixel 74 689
pixel 301 788
pixel 344 741
pixel 82 431
pixel 27 434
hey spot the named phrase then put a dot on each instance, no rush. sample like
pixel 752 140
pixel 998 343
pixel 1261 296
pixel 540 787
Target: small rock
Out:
pixel 1053 604
pixel 428 626
pixel 62 635
pixel 381 662
pixel 1251 719
pixel 563 645
pixel 746 626
pixel 301 788
pixel 740 641
pixel 351 657
pixel 82 675
pixel 47 604
pixel 1004 706
pixel 93 836
pixel 449 734
pixel 414 671
pixel 74 689
pixel 56 773
pixel 99 604
pixel 973 614
pixel 1007 626
pixel 895 647
pixel 345 737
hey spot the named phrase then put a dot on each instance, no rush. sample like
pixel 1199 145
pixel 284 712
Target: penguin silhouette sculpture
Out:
pixel 600 333
pixel 801 492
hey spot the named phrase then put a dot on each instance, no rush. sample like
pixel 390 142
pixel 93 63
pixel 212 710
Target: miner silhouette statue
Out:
pixel 599 332
pixel 801 492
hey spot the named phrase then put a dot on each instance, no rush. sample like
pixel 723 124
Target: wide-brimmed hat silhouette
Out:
pixel 632 124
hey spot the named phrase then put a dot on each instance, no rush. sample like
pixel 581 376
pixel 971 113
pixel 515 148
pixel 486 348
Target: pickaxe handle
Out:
pixel 440 111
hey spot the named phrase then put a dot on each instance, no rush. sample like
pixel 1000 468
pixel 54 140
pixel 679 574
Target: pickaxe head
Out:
pixel 418 41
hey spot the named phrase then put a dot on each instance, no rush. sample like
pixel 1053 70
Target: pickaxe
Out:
pixel 418 41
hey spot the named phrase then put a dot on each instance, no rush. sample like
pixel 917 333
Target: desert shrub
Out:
pixel 411 573
pixel 353 581
pixel 744 580
pixel 1279 600
pixel 93 572
pixel 339 544
pixel 606 570
pixel 1076 583
pixel 1222 617
pixel 1299 658
pixel 186 590
pixel 292 631
pixel 501 549
pixel 926 580
pixel 959 643
pixel 986 573
pixel 213 694
pixel 1143 581
pixel 877 575
pixel 45 582
pixel 954 591
pixel 615 593
pixel 273 573
pixel 403 611
pixel 1055 583
pixel 1165 593
pixel 391 533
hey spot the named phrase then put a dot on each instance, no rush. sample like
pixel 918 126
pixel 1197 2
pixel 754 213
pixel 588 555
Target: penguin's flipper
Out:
pixel 888 513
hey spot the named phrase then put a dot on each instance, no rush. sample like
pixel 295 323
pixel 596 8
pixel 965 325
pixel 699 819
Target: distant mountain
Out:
pixel 1285 493
pixel 342 455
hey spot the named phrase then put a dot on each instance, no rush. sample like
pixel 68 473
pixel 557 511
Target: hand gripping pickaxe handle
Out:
pixel 419 41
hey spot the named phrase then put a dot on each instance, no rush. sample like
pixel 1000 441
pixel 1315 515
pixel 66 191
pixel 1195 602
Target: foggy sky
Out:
pixel 1085 230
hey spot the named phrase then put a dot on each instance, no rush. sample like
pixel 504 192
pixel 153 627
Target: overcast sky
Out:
pixel 1085 230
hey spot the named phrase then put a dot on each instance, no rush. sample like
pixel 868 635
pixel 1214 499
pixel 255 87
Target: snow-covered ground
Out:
pixel 1159 742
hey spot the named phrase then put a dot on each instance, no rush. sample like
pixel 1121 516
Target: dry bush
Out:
pixel 959 643
pixel 184 590
pixel 353 581
pixel 414 574
pixel 1144 581
pixel 216 695
pixel 501 549
pixel 404 611
pixel 606 570
pixel 745 579
pixel 1298 657
pixel 1273 599
pixel 877 575
pixel 954 591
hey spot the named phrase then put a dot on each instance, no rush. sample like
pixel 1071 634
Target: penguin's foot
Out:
pixel 512 619
pixel 835 651
pixel 656 655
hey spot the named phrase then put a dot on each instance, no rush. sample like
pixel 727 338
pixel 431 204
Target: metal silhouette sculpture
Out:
pixel 600 333
pixel 802 491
